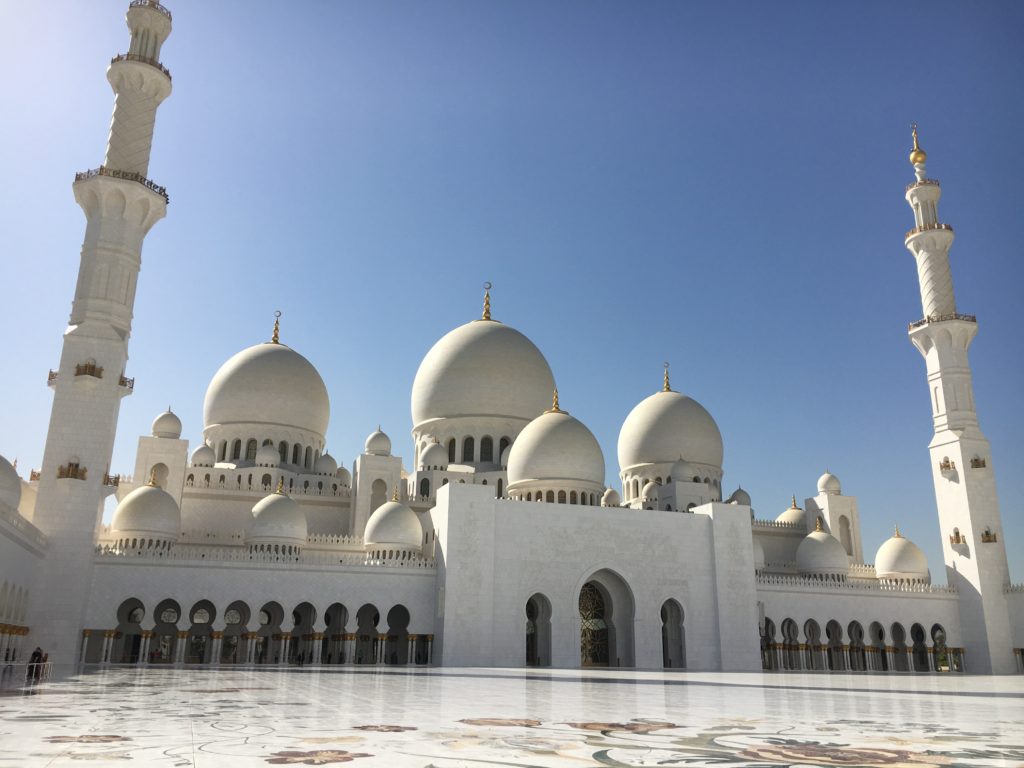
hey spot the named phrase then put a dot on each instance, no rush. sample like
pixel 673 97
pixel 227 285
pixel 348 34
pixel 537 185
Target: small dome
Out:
pixel 393 524
pixel 793 514
pixel 504 456
pixel 203 456
pixel 611 498
pixel 741 497
pixel 10 484
pixel 148 512
pixel 829 483
pixel 821 554
pixel 326 465
pixel 482 368
pixel 649 491
pixel 435 456
pixel 556 447
pixel 378 444
pixel 267 456
pixel 667 426
pixel 271 384
pixel 279 519
pixel 900 559
pixel 759 561
pixel 167 424
pixel 344 477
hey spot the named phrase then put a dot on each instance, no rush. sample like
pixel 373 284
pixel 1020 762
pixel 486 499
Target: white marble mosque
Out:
pixel 252 546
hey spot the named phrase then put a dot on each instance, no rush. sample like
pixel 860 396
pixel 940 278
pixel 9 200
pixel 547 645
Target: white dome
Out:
pixel 10 484
pixel 668 426
pixel 759 560
pixel 167 424
pixel 378 444
pixel 393 524
pixel 611 498
pixel 901 559
pixel 344 477
pixel 555 446
pixel 203 456
pixel 267 456
pixel 482 368
pixel 326 465
pixel 434 457
pixel 148 512
pixel 829 483
pixel 650 491
pixel 821 554
pixel 279 519
pixel 739 496
pixel 793 514
pixel 270 384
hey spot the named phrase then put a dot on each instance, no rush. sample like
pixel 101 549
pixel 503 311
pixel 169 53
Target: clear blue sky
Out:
pixel 719 185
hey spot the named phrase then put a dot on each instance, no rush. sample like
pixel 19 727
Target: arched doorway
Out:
pixel 606 621
pixel 900 663
pixel 300 649
pixel 333 651
pixel 834 652
pixel 268 636
pixel 673 636
pixel 858 656
pixel 165 632
pixel 538 631
pixel 378 494
pixel 199 644
pixel 877 635
pixel 769 659
pixel 232 646
pixel 366 634
pixel 919 651
pixel 812 634
pixel 790 645
pixel 396 647
pixel 939 652
pixel 128 640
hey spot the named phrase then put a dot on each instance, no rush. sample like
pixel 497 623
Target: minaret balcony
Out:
pixel 947 467
pixel 111 481
pixel 956 540
pixel 923 183
pixel 71 471
pixel 988 536
pixel 89 369
pixel 34 475
pixel 150 4
pixel 142 60
pixel 51 378
pixel 928 228
pixel 127 176
pixel 941 319
pixel 978 463
pixel 127 385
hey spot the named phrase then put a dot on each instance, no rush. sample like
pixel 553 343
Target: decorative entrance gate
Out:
pixel 593 628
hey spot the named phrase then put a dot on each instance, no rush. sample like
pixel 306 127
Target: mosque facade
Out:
pixel 499 544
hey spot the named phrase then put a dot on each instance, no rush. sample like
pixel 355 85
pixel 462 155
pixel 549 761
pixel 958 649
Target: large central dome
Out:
pixel 482 368
pixel 668 426
pixel 269 384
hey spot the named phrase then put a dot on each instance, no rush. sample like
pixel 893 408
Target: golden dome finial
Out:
pixel 818 528
pixel 276 338
pixel 665 386
pixel 487 301
pixel 794 503
pixel 917 155
pixel 554 403
pixel 280 485
pixel 152 478
pixel 394 496
pixel 897 534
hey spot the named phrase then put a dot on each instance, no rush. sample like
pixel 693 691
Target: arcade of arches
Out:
pixel 851 649
pixel 170 635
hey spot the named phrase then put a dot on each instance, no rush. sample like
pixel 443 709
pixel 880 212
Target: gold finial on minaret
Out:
pixel 487 301
pixel 665 386
pixel 897 534
pixel 818 527
pixel 152 478
pixel 276 338
pixel 794 503
pixel 394 496
pixel 917 155
pixel 554 403
pixel 280 485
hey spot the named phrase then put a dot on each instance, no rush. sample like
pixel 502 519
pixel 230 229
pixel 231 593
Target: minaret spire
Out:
pixel 960 455
pixel 487 301
pixel 120 206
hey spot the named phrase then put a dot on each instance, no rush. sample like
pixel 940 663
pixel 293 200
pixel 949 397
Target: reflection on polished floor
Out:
pixel 450 718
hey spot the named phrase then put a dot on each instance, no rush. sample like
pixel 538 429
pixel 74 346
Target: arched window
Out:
pixel 425 488
pixel 468 449
pixel 266 482
pixel 309 457
pixel 236 449
pixel 282 449
pixel 451 451
pixel 561 497
pixel 296 454
pixel 250 449
pixel 500 484
pixel 550 497
pixel 223 450
pixel 486 449
pixel 573 498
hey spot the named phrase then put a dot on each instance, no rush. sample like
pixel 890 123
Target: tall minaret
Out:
pixel 965 488
pixel 120 205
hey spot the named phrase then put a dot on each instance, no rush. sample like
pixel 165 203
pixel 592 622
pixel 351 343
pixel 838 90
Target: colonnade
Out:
pixel 866 658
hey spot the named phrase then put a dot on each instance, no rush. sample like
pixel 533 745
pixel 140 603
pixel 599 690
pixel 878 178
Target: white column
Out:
pixel 179 648
pixel 430 649
pixel 382 647
pixel 410 654
pixel 286 640
pixel 318 647
pixel 218 638
pixel 108 640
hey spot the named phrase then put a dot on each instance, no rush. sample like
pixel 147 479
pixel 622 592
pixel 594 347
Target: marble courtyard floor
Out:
pixel 500 717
